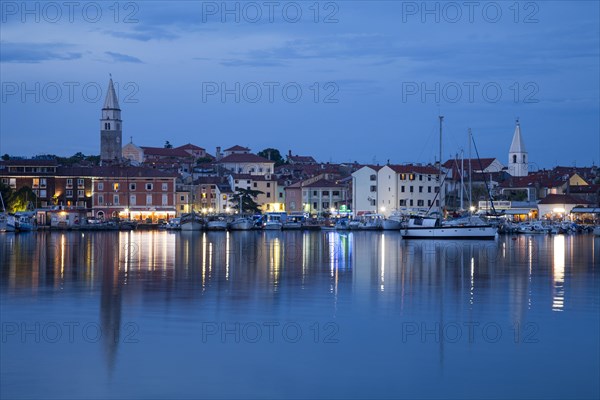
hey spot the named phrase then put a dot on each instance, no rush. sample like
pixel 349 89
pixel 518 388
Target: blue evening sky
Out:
pixel 373 75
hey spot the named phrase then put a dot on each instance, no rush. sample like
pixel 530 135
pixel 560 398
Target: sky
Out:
pixel 339 80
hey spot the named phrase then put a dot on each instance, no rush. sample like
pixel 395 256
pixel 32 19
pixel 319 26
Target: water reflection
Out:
pixel 356 275
pixel 558 266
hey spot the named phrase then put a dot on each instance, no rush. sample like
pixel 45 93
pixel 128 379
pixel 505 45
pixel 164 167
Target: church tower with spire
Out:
pixel 111 135
pixel 518 161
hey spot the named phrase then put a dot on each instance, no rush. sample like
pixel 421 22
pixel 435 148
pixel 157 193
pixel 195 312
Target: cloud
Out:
pixel 33 53
pixel 118 57
pixel 144 33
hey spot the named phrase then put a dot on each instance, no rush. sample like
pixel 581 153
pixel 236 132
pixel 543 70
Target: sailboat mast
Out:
pixel 440 167
pixel 470 173
pixel 462 178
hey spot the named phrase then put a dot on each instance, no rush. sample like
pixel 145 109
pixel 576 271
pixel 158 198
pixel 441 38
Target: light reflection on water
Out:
pixel 409 315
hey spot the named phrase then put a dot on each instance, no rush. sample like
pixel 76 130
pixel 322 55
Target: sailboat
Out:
pixel 241 223
pixel 191 221
pixel 431 227
pixel 7 221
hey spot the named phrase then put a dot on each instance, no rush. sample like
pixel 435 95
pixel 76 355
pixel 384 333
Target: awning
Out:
pixel 586 210
pixel 518 211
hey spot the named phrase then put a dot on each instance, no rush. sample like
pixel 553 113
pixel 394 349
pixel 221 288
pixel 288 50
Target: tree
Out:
pixel 273 155
pixel 168 145
pixel 21 200
pixel 247 197
pixel 6 157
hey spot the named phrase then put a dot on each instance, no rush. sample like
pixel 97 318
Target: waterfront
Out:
pixel 298 314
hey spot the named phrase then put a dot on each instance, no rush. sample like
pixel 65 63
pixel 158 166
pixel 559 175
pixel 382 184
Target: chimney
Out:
pixel 289 153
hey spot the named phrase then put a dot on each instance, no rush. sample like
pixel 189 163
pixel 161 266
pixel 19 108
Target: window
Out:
pixel 100 186
pixel 80 193
pixel 115 187
pixel 132 200
pixel 260 170
pixel 132 186
pixel 269 184
pixel 43 194
pixel 429 177
pixel 373 177
pixel 437 203
pixel 429 203
pixel 69 193
pixel 514 158
pixel 80 183
pixel 5 181
pixel 325 192
pixel 325 204
pixel 149 186
pixel 411 202
pixel 314 192
pixel 116 199
pixel 100 199
pixel 13 183
pixel 42 182
pixel 437 189
pixel 69 182
pixel 315 205
pixel 248 181
pixel 36 183
pixel 402 189
pixel 236 181
pixel 165 187
pixel 524 158
pixel 268 194
pixel 420 177
pixel 402 203
pixel 148 199
pixel 412 189
pixel 335 193
pixel 181 208
pixel 403 177
pixel 373 188
pixel 420 189
pixel 255 185
pixel 181 198
pixel 428 189
pixel 411 177
pixel 372 202
pixel 420 203
pixel 165 200
pixel 280 195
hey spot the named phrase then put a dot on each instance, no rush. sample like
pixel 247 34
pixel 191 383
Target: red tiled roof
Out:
pixel 244 158
pixel 190 146
pixel 475 163
pixel 237 148
pixel 164 152
pixel 115 172
pixel 254 177
pixel 324 183
pixel 562 199
pixel 30 162
pixel 303 159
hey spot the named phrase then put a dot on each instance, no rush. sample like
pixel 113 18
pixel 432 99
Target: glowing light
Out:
pixel 558 265
pixel 472 208
pixel 558 210
pixel 382 209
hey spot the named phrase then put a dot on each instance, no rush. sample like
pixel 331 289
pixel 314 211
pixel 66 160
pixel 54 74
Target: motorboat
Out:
pixel 420 227
pixel 393 222
pixel 272 221
pixel 7 222
pixel 174 224
pixel 293 222
pixel 371 222
pixel 25 221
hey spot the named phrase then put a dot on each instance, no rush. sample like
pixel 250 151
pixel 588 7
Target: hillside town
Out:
pixel 152 185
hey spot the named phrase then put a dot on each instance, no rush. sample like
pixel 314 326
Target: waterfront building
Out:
pixel 269 199
pixel 239 160
pixel 389 188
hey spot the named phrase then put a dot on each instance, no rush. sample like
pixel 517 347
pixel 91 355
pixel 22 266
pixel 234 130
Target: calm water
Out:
pixel 319 314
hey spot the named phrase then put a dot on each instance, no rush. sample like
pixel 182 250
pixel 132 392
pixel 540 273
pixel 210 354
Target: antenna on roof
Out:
pixel 110 75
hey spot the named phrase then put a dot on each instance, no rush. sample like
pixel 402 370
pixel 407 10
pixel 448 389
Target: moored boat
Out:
pixel 191 222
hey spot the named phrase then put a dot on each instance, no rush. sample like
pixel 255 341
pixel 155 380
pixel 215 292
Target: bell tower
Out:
pixel 111 134
pixel 518 159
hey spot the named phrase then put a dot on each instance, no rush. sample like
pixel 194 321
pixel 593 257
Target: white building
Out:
pixel 518 163
pixel 395 187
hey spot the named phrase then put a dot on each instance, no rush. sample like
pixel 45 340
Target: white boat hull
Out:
pixel 390 224
pixel 241 225
pixel 453 232
pixel 273 226
pixel 191 226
